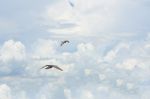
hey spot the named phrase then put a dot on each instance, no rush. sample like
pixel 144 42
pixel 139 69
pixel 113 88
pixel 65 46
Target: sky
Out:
pixel 107 57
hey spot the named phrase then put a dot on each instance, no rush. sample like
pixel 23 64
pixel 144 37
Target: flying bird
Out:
pixel 71 4
pixel 63 42
pixel 52 66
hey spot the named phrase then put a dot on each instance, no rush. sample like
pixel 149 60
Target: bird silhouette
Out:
pixel 52 66
pixel 63 42
pixel 71 4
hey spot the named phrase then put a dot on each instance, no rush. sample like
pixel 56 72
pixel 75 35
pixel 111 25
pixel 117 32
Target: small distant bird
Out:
pixel 52 66
pixel 71 3
pixel 63 42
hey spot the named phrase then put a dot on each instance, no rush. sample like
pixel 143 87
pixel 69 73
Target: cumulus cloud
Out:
pixel 12 50
pixel 5 92
pixel 119 77
pixel 44 48
pixel 114 52
pixel 108 57
pixel 128 64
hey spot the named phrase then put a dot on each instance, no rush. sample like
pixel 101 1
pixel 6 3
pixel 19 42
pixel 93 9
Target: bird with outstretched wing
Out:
pixel 51 66
pixel 63 42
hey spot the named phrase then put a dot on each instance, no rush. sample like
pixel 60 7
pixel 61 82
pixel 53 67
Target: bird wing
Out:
pixel 57 68
pixel 62 43
pixel 43 66
pixel 67 41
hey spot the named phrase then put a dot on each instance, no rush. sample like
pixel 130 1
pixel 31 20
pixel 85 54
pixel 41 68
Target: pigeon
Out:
pixel 52 66
pixel 63 42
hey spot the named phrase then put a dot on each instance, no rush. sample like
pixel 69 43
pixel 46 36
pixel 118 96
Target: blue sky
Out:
pixel 107 57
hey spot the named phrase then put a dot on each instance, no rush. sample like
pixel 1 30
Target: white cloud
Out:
pixel 95 18
pixel 130 86
pixel 119 82
pixel 103 88
pixel 102 77
pixel 128 64
pixel 114 52
pixel 46 52
pixel 90 17
pixel 12 50
pixel 82 69
pixel 86 94
pixel 44 49
pixel 67 94
pixel 85 49
pixel 110 56
pixel 100 70
pixel 5 92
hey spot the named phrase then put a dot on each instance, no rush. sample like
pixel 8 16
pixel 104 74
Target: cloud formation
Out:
pixel 5 92
pixel 107 57
pixel 123 76
pixel 12 50
pixel 96 17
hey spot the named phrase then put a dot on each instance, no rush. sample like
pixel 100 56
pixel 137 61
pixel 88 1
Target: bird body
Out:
pixel 51 66
pixel 63 42
pixel 71 3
